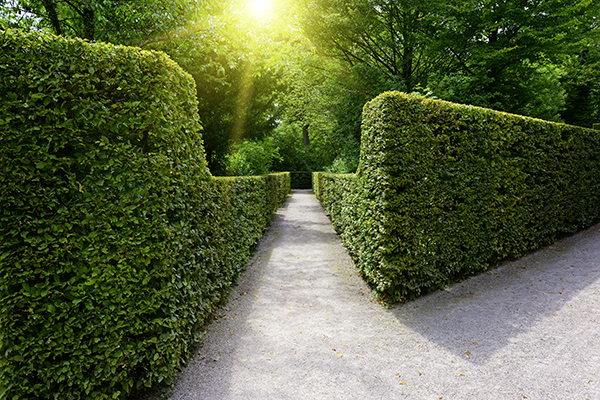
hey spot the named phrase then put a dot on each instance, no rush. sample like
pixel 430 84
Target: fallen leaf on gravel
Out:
pixel 217 359
pixel 403 383
pixel 474 343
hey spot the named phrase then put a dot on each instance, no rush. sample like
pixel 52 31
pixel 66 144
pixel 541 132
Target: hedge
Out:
pixel 116 243
pixel 444 190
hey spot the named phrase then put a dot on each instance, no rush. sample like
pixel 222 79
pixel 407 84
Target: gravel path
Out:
pixel 303 325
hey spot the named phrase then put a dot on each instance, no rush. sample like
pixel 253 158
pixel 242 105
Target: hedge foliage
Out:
pixel 116 243
pixel 445 190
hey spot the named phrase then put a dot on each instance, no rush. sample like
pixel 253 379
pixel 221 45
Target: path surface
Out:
pixel 302 325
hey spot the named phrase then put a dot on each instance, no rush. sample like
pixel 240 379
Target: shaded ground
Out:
pixel 302 325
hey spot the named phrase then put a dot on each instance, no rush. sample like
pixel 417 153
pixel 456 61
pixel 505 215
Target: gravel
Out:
pixel 302 324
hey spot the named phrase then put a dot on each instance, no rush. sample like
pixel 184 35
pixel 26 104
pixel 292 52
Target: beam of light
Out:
pixel 261 7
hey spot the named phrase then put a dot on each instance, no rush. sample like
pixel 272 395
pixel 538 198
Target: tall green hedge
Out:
pixel 445 190
pixel 116 242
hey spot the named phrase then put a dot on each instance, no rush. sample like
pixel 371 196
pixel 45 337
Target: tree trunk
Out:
pixel 50 7
pixel 89 24
pixel 305 135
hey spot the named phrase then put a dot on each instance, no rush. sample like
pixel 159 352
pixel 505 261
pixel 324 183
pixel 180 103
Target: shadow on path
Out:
pixel 303 325
pixel 557 286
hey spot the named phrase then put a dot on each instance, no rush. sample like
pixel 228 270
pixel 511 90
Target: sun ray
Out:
pixel 261 7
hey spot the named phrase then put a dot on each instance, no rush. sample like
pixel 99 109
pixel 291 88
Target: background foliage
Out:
pixel 307 67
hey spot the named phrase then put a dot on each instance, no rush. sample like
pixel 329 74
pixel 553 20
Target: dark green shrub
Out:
pixel 596 126
pixel 115 241
pixel 301 179
pixel 445 190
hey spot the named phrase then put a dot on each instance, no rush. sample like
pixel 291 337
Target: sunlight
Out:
pixel 261 7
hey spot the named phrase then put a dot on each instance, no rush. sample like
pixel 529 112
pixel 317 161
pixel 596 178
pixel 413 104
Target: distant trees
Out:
pixel 508 54
pixel 114 21
pixel 309 67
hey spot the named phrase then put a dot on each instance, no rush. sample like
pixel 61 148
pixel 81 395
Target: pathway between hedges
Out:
pixel 303 325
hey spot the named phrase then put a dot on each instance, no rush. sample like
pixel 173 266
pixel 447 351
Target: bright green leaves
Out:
pixel 116 243
pixel 116 22
pixel 445 190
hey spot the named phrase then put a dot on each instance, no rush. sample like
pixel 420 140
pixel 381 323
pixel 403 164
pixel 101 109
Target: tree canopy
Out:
pixel 293 76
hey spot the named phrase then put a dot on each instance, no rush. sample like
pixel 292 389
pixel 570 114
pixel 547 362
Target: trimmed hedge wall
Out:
pixel 116 243
pixel 445 190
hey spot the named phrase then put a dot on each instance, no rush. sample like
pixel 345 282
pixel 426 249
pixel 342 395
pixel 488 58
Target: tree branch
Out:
pixel 460 61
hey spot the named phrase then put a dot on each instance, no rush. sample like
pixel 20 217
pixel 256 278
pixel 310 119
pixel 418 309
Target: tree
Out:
pixel 581 78
pixel 503 50
pixel 251 157
pixel 396 38
pixel 237 76
pixel 115 21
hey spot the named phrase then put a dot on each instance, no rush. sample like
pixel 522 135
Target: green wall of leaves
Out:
pixel 116 243
pixel 444 190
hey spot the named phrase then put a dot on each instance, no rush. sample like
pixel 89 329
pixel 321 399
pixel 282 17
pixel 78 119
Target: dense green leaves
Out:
pixel 252 158
pixel 445 191
pixel 116 243
pixel 117 21
pixel 396 38
pixel 507 54
pixel 520 56
pixel 237 78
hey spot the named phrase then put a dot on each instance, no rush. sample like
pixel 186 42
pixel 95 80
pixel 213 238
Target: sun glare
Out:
pixel 261 7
